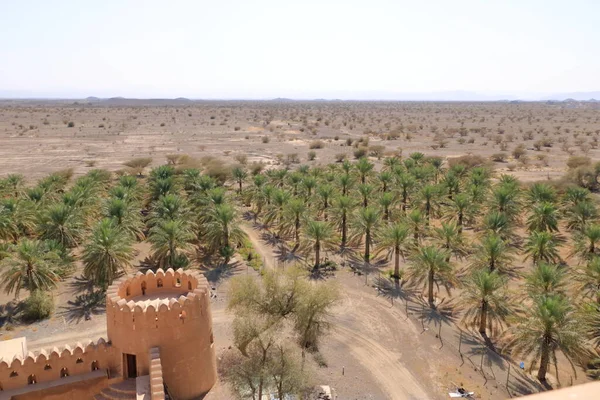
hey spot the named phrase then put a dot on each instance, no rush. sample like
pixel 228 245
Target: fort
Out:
pixel 159 329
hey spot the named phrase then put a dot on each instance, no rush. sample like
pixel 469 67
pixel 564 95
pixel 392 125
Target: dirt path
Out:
pixel 383 364
pixel 392 376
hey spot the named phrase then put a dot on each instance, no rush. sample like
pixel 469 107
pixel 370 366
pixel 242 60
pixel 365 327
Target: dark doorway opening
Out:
pixel 129 366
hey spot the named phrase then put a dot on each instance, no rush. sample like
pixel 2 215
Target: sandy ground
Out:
pixel 35 138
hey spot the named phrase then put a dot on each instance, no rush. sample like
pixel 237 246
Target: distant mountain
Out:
pixel 575 96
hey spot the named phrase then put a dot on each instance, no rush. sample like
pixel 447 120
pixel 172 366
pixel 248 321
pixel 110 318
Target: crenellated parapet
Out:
pixel 51 364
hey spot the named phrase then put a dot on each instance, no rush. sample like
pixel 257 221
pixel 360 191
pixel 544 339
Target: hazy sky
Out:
pixel 283 48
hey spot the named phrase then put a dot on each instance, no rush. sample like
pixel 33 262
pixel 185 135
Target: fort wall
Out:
pixel 54 364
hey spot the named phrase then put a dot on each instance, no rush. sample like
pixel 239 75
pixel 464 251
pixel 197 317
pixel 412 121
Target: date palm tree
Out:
pixel 461 210
pixel 485 300
pixel 108 253
pixel 386 201
pixel 542 246
pixel 125 215
pixel 493 253
pixel 365 224
pixel 364 167
pixel 239 174
pixel 325 193
pixel 366 191
pixel 586 243
pixel 588 278
pixel 540 193
pixel 543 217
pixel 580 215
pixel 393 238
pixel 406 183
pixel 169 238
pixel 319 235
pixel 428 266
pixel 62 223
pixel 548 326
pixel 222 229
pixel 448 236
pixel 343 206
pixel 429 194
pixel 31 265
pixel 417 225
pixel 294 212
pixel 345 181
pixel 385 179
pixel 545 279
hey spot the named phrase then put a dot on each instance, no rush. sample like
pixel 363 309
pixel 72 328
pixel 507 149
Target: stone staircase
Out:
pixel 119 391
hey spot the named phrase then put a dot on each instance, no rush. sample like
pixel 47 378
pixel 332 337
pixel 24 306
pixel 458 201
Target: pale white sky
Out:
pixel 279 48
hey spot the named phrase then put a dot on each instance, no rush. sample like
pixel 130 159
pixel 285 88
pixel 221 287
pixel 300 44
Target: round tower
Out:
pixel 169 310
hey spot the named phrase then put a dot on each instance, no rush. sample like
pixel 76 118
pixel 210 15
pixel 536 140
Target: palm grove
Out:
pixel 520 263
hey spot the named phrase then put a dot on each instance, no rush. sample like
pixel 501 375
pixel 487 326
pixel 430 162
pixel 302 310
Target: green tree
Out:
pixel 485 300
pixel 365 224
pixel 588 278
pixel 222 229
pixel 343 207
pixel 30 265
pixel 393 238
pixel 544 280
pixel 62 223
pixel 449 237
pixel 548 326
pixel 239 174
pixel 428 266
pixel 107 254
pixel 294 212
pixel 364 167
pixel 542 246
pixel 319 234
pixel 493 253
pixel 543 217
pixel 168 239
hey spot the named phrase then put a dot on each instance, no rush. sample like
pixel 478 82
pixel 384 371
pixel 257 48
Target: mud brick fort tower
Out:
pixel 159 330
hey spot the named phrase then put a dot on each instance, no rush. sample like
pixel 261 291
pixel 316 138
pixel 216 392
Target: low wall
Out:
pixel 55 365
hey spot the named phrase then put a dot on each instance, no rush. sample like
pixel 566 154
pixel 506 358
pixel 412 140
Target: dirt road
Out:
pixel 391 375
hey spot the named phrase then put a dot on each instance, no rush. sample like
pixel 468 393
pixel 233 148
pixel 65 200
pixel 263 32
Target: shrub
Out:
pixel 377 151
pixel 316 144
pixel 172 159
pixel 578 161
pixel 39 305
pixel 236 128
pixel 349 142
pixel 71 124
pixel 162 124
pixel 469 161
pixel 241 158
pixel 216 168
pixel 519 152
pixel 312 155
pixel 511 166
pixel 499 157
pixel 138 164
pixel 265 139
pixel 360 152
pixel 340 157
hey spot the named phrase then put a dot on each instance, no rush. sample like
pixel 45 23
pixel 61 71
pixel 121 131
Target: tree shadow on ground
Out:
pixel 85 306
pixel 220 272
pixel 9 313
pixel 361 267
pixel 80 284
